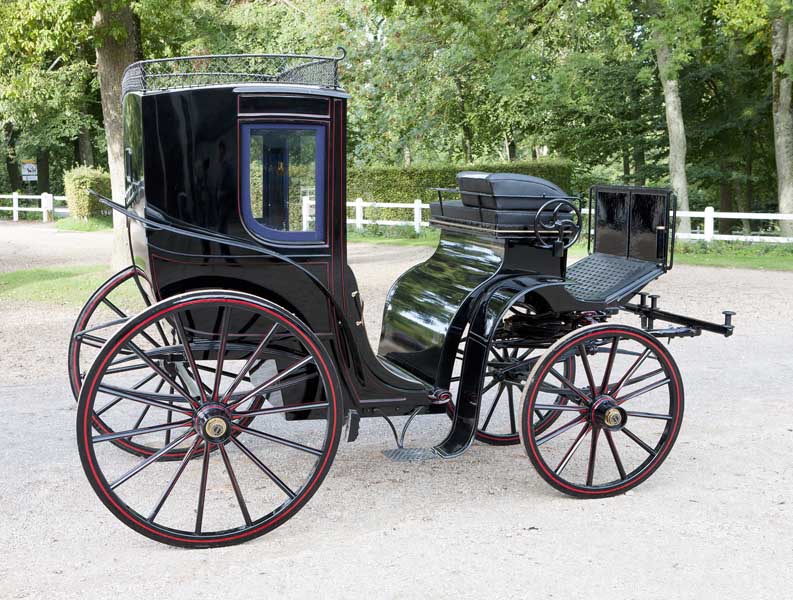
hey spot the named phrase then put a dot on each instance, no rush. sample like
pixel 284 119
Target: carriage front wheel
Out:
pixel 269 456
pixel 622 418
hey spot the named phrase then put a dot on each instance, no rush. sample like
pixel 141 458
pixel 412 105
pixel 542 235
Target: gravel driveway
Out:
pixel 715 521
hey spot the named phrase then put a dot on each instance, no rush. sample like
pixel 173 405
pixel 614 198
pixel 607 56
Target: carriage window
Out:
pixel 283 181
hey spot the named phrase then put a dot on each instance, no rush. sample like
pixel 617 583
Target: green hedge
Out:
pixel 77 182
pixel 405 184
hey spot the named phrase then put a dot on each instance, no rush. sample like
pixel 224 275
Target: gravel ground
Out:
pixel 715 521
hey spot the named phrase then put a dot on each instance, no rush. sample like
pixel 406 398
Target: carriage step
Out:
pixel 410 454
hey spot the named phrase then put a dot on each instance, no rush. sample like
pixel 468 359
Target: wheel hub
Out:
pixel 606 413
pixel 213 423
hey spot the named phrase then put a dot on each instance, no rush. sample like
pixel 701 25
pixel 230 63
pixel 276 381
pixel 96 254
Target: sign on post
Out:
pixel 30 171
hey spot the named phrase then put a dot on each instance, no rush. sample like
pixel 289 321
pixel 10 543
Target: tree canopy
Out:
pixel 445 81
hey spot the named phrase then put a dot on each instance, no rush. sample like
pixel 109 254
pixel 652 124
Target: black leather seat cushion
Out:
pixel 506 191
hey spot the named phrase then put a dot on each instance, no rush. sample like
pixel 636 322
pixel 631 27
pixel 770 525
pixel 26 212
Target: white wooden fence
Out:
pixel 709 216
pixel 46 205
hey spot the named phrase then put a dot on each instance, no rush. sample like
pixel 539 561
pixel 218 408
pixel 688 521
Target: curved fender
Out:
pixel 485 315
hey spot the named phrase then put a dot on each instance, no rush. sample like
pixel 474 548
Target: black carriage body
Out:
pixel 250 180
pixel 184 167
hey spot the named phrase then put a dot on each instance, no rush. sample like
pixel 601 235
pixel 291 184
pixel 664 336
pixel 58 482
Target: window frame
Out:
pixel 319 234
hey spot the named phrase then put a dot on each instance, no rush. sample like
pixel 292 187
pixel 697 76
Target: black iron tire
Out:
pixel 608 398
pixel 315 362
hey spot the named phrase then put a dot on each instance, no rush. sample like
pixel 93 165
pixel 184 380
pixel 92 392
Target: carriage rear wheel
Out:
pixel 264 461
pixel 123 295
pixel 623 417
pixel 509 361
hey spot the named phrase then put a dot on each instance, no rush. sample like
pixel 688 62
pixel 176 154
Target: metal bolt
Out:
pixel 643 298
pixel 654 300
pixel 728 314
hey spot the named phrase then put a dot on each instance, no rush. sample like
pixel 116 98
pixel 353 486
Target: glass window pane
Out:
pixel 282 179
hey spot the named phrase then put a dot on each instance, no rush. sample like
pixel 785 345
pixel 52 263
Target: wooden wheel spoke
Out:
pixel 646 415
pixel 590 472
pixel 609 366
pixel 172 483
pixel 143 398
pixel 556 432
pixel 118 399
pixel 249 363
pixel 559 407
pixel 493 407
pixel 571 386
pixel 235 485
pixel 615 453
pixel 124 316
pixel 151 459
pixel 572 449
pixel 639 441
pixel 512 424
pixel 264 468
pixel 280 409
pixel 587 368
pixel 136 431
pixel 269 385
pixel 167 378
pixel 629 373
pixel 202 491
pixel 646 389
pixel 188 352
pixel 115 323
pixel 224 331
pixel 279 440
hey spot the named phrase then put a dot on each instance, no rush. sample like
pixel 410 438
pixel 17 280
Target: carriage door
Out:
pixel 283 181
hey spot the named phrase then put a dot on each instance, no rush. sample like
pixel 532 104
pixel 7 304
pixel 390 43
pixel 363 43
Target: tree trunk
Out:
pixel 725 205
pixel 85 148
pixel 676 129
pixel 638 164
pixel 407 157
pixel 638 139
pixel 626 165
pixel 43 166
pixel 510 150
pixel 782 59
pixel 114 52
pixel 12 166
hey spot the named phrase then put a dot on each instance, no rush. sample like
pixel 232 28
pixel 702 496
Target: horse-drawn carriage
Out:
pixel 217 375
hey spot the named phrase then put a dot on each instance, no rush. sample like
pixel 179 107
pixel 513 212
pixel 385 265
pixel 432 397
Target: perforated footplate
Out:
pixel 604 278
pixel 410 454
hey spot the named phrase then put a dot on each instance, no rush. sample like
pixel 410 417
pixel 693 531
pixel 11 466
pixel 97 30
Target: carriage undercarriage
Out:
pixel 217 376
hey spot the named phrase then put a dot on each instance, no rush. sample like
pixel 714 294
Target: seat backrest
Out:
pixel 506 191
pixel 633 222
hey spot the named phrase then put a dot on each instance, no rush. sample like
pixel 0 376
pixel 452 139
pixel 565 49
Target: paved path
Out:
pixel 716 521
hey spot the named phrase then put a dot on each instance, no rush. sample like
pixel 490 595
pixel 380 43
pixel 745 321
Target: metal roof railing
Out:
pixel 230 69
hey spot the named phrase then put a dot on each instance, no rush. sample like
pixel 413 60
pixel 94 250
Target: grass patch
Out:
pixel 89 224
pixel 743 255
pixel 69 286
pixel 739 255
pixel 394 236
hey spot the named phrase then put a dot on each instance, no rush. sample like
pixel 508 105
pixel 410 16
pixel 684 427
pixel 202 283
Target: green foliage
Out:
pixel 406 184
pixel 77 182
pixel 101 223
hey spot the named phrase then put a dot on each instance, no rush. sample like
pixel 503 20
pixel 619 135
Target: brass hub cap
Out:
pixel 607 414
pixel 213 423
